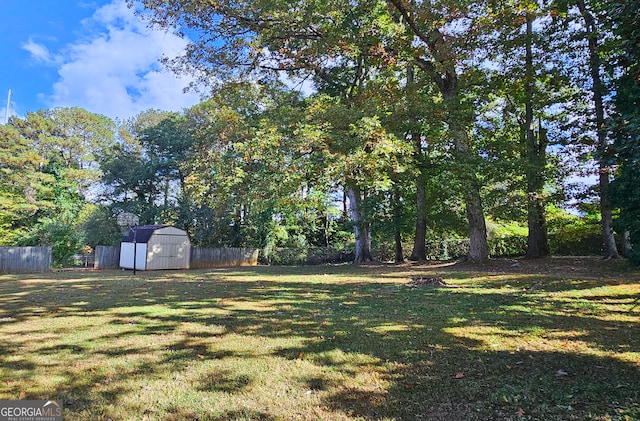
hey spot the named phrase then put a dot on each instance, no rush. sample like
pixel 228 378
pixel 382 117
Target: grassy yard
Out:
pixel 556 339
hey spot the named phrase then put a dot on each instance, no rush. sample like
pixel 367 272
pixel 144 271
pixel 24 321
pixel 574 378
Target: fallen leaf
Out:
pixel 23 394
pixel 520 412
pixel 200 356
pixel 459 375
pixel 561 373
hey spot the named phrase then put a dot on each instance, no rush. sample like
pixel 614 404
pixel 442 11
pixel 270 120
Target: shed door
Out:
pixel 169 252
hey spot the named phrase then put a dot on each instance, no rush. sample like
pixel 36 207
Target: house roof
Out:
pixel 142 233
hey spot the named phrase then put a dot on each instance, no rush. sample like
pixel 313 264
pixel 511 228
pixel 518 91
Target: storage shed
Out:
pixel 155 247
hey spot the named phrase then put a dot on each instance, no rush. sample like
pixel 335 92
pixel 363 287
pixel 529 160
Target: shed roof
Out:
pixel 142 233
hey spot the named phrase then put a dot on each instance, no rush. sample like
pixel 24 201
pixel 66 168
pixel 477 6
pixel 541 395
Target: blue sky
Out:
pixel 94 54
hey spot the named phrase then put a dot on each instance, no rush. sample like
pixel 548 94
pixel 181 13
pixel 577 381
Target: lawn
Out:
pixel 555 339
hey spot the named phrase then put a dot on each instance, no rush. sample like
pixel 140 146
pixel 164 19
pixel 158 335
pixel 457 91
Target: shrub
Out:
pixel 577 240
pixel 508 246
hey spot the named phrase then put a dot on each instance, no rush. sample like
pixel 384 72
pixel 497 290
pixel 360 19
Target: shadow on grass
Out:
pixel 379 350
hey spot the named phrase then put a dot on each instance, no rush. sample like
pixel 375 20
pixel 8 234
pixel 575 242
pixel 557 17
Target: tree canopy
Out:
pixel 421 122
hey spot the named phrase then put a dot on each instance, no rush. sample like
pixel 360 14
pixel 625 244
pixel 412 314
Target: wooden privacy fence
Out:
pixel 107 257
pixel 202 258
pixel 25 259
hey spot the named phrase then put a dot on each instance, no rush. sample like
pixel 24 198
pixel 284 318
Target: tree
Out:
pixel 594 34
pixel 340 44
pixel 537 242
pixel 74 137
pixel 50 164
pixel 440 37
pixel 334 42
pixel 129 177
pixel 24 188
pixel 625 18
pixel 534 102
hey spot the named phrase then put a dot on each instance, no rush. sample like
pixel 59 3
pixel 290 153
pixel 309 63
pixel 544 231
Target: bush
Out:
pixel 508 246
pixel 577 240
pixel 304 256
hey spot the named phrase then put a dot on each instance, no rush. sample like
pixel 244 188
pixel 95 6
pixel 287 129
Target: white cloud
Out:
pixel 114 70
pixel 38 52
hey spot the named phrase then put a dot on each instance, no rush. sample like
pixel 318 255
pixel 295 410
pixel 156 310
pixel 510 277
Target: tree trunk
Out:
pixel 397 225
pixel 327 225
pixel 537 240
pixel 606 215
pixel 610 248
pixel 626 243
pixel 478 246
pixel 360 228
pixel 419 251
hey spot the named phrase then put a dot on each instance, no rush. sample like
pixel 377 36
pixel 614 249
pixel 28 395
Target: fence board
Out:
pixel 107 257
pixel 25 259
pixel 202 258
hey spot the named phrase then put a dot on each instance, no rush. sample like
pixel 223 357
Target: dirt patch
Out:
pixel 427 282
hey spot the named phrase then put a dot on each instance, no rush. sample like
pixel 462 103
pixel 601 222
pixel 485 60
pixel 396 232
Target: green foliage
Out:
pixel 571 234
pixel 301 256
pixel 577 240
pixel 48 162
pixel 625 193
pixel 509 246
pixel 506 229
pixel 65 240
pixel 436 95
pixel 99 226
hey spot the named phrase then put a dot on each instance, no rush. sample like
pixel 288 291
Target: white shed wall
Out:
pixel 126 255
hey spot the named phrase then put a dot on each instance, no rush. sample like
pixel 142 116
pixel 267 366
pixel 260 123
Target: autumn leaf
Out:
pixel 459 376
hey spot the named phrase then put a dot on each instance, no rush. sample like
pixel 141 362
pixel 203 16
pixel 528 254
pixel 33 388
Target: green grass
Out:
pixel 555 339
